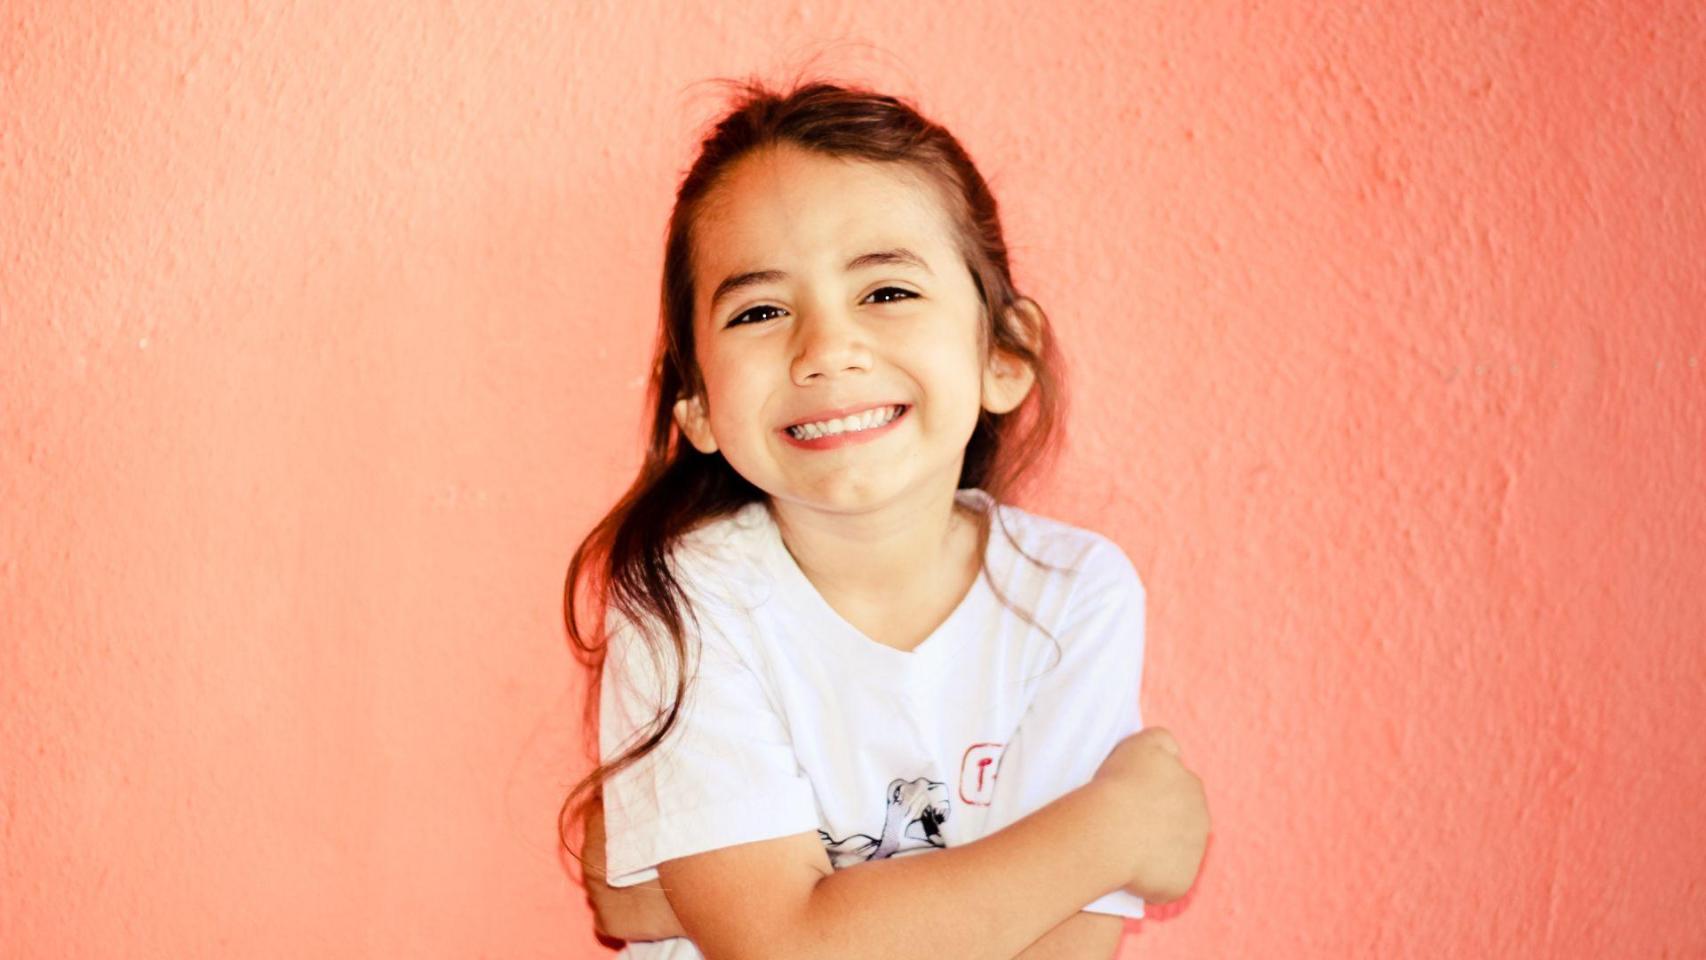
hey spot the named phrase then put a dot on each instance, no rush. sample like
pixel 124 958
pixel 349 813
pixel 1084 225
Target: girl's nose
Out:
pixel 828 342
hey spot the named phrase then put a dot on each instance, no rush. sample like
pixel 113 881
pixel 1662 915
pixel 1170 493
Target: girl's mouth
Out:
pixel 813 439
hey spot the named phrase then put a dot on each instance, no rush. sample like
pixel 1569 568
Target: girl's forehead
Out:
pixel 785 202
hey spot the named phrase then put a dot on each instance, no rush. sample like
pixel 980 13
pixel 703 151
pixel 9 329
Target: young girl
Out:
pixel 828 643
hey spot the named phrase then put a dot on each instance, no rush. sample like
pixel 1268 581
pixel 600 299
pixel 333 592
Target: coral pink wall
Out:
pixel 324 329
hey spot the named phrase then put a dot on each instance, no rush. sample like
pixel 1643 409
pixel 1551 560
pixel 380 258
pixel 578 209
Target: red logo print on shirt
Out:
pixel 977 773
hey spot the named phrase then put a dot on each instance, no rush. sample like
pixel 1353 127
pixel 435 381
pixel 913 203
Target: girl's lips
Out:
pixel 844 439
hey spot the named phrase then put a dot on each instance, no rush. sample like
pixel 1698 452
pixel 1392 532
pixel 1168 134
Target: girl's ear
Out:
pixel 695 425
pixel 1008 378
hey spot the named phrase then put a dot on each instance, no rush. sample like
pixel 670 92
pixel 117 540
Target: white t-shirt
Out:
pixel 797 721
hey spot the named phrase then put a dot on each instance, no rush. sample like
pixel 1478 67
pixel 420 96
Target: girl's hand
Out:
pixel 1161 809
pixel 639 912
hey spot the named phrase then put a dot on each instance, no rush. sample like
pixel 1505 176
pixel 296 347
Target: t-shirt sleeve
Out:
pixel 725 774
pixel 1085 705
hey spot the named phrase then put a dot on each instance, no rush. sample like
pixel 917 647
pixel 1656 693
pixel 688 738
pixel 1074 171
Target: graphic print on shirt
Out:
pixel 916 810
pixel 977 773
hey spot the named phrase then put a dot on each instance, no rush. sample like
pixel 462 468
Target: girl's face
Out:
pixel 826 287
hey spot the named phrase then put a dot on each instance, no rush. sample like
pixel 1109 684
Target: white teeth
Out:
pixel 828 428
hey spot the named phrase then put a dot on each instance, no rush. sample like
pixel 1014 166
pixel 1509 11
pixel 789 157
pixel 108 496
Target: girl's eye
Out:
pixel 884 292
pixel 753 315
pixel 760 314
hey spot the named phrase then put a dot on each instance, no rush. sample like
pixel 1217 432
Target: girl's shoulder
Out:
pixel 1077 552
pixel 711 565
pixel 718 559
pixel 723 537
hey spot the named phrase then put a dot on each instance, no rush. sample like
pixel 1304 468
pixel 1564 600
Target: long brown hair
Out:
pixel 625 557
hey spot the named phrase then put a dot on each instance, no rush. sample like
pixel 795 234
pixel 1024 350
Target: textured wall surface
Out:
pixel 324 327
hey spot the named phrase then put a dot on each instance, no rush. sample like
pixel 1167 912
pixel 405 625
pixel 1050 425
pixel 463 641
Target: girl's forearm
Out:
pixel 639 912
pixel 1082 936
pixel 990 898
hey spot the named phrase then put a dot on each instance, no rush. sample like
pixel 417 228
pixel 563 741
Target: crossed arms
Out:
pixel 643 912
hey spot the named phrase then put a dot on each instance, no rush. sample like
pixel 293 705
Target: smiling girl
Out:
pixel 852 703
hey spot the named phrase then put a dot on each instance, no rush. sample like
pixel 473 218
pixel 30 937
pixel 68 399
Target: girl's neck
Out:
pixel 907 552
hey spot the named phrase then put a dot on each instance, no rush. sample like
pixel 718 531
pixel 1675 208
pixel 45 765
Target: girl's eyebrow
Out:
pixel 898 255
pixel 740 281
